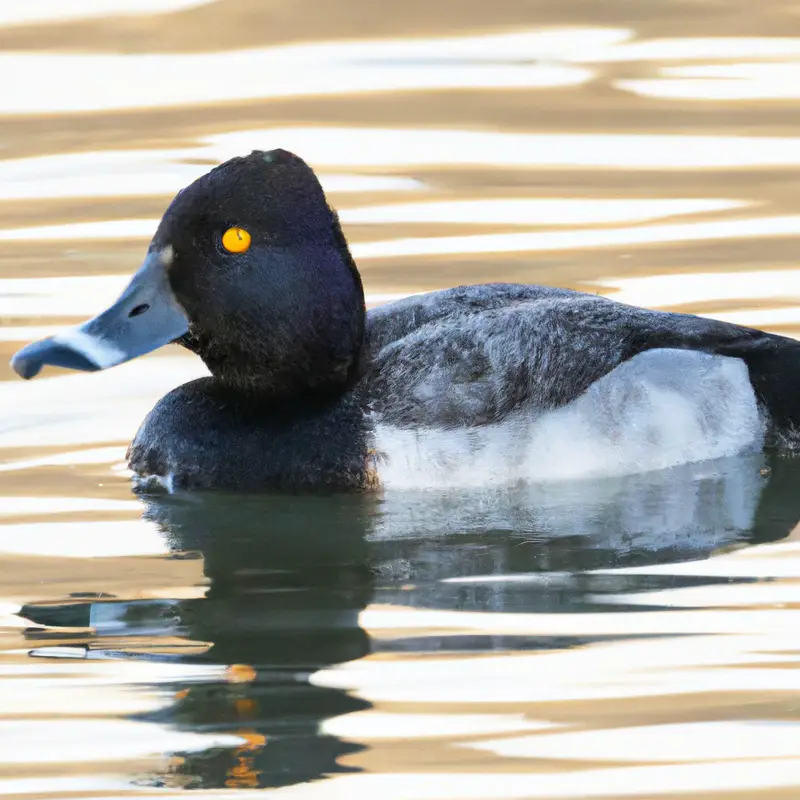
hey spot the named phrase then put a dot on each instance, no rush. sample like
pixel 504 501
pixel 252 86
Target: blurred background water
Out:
pixel 627 637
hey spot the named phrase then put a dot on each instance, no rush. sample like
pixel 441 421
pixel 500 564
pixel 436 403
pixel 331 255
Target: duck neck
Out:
pixel 305 347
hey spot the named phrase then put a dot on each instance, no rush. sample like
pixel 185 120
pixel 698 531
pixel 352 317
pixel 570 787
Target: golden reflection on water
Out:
pixel 622 642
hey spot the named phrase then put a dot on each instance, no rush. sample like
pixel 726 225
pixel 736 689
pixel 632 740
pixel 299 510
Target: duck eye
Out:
pixel 236 240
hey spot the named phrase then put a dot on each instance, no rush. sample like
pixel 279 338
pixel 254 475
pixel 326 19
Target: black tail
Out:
pixel 775 375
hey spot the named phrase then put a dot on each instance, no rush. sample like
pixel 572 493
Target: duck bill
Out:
pixel 145 317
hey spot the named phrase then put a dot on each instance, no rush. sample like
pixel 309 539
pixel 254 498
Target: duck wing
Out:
pixel 472 355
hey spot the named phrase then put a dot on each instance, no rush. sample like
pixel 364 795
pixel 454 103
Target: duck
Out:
pixel 498 383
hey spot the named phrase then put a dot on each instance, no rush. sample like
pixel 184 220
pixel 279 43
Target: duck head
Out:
pixel 249 269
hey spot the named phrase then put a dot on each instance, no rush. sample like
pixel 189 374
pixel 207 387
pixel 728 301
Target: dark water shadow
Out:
pixel 288 577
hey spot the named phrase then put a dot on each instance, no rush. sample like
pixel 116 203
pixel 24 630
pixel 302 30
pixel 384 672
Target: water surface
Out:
pixel 627 637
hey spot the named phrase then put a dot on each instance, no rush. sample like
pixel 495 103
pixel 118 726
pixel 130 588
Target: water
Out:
pixel 627 637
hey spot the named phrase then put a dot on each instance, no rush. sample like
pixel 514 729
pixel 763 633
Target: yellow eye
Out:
pixel 236 240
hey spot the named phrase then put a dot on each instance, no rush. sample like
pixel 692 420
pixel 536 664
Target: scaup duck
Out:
pixel 495 383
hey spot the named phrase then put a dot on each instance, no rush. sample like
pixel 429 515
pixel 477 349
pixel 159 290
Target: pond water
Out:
pixel 629 637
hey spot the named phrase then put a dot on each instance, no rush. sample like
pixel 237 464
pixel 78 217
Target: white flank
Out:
pixel 660 409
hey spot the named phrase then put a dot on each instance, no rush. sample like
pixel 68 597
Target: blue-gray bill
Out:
pixel 145 317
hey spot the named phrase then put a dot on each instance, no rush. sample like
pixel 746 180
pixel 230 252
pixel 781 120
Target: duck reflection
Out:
pixel 288 577
pixel 284 595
